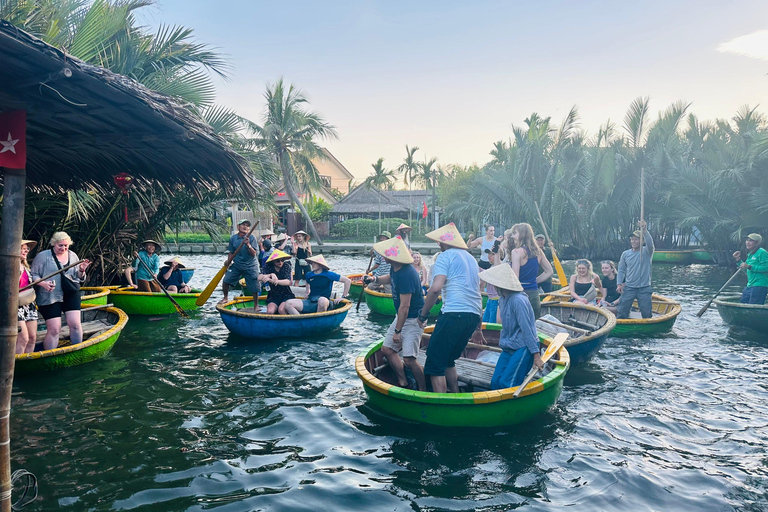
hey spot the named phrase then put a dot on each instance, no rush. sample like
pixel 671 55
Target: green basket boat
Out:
pixel 146 303
pixel 356 288
pixel 473 408
pixel 101 328
pixel 754 316
pixel 382 303
pixel 94 295
pixel 701 257
pixel 676 257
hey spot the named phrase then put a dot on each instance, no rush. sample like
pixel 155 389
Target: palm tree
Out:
pixel 380 177
pixel 409 168
pixel 288 133
pixel 427 176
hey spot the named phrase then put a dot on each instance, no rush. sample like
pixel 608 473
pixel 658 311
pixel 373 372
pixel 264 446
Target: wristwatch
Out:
pixel 398 331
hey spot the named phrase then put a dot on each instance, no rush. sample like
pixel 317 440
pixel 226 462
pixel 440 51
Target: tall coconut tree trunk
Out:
pixel 379 191
pixel 295 198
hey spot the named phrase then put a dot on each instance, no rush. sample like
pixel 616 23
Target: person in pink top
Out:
pixel 27 316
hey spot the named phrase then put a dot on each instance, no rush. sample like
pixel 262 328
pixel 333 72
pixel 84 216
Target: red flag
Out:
pixel 13 140
pixel 424 211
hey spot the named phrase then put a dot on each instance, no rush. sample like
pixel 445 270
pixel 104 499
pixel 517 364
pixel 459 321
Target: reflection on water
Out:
pixel 183 416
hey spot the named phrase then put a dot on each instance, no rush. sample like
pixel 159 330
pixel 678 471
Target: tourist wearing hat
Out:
pixel 486 242
pixel 404 232
pixel 243 264
pixel 518 338
pixel 302 250
pixel 56 297
pixel 145 278
pixel 634 277
pixel 404 334
pixel 455 275
pixel 756 266
pixel 27 311
pixel 380 266
pixel 318 288
pixel 171 278
pixel 281 242
pixel 277 273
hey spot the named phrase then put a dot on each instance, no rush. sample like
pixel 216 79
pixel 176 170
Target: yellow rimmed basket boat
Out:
pixel 94 295
pixel 356 288
pixel 240 318
pixel 587 326
pixel 151 303
pixel 101 329
pixel 473 406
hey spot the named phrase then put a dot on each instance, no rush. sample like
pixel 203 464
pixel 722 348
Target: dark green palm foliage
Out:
pixel 380 178
pixel 409 168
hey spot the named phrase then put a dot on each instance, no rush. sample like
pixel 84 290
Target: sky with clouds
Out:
pixel 452 77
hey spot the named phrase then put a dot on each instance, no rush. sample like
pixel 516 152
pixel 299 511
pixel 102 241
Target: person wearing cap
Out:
pixel 634 277
pixel 756 265
pixel 486 242
pixel 302 250
pixel 318 288
pixel 145 278
pixel 455 275
pixel 403 336
pixel 546 286
pixel 170 276
pixel 27 312
pixel 518 339
pixel 380 266
pixel 404 232
pixel 277 272
pixel 489 315
pixel 243 264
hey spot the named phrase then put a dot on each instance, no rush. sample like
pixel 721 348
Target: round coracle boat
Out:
pixel 240 318
pixel 151 303
pixel 587 327
pixel 664 313
pixel 676 257
pixel 356 288
pixel 474 405
pixel 754 316
pixel 187 273
pixel 382 303
pixel 101 328
pixel 94 295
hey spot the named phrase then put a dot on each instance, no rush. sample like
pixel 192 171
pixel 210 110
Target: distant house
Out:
pixel 362 202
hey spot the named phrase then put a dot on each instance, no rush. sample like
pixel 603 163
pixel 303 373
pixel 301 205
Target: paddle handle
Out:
pixel 63 269
pixel 362 292
pixel 554 346
pixel 706 306
pixel 231 258
pixel 176 305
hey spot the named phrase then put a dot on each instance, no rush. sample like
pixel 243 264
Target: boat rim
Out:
pixel 676 309
pixel 602 331
pixel 725 301
pixel 222 308
pixel 131 292
pixel 103 291
pixel 121 321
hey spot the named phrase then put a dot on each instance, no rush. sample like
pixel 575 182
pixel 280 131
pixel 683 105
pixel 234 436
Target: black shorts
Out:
pixel 278 300
pixel 300 271
pixel 71 303
pixel 449 339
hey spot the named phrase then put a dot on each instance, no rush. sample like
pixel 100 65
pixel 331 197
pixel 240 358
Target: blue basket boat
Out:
pixel 587 327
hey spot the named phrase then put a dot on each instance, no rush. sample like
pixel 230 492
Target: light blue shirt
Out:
pixel 635 266
pixel 461 291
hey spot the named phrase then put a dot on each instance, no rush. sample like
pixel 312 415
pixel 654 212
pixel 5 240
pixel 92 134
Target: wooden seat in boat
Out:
pixel 89 329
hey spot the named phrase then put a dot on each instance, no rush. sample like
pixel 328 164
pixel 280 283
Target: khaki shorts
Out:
pixel 410 338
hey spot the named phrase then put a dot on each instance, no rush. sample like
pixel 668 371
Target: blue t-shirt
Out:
pixel 461 292
pixel 406 280
pixel 174 280
pixel 321 284
pixel 244 255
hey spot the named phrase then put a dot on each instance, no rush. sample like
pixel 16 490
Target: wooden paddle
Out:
pixel 706 306
pixel 554 346
pixel 176 305
pixel 558 266
pixel 63 269
pixel 203 298
pixel 362 292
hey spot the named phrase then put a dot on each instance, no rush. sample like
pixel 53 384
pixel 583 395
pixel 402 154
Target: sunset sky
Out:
pixel 452 77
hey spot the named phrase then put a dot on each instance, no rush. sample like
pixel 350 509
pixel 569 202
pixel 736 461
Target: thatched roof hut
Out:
pixel 364 202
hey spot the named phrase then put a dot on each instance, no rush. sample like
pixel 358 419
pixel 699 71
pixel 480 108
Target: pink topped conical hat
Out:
pixel 448 235
pixel 404 226
pixel 395 250
pixel 278 255
pixel 320 261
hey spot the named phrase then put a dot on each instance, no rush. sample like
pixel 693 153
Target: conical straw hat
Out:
pixel 502 276
pixel 177 260
pixel 320 261
pixel 277 255
pixel 30 243
pixel 448 235
pixel 395 250
pixel 158 247
pixel 267 232
pixel 404 226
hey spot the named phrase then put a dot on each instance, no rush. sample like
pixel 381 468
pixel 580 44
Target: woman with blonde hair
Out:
pixel 611 295
pixel 27 315
pixel 421 268
pixel 62 293
pixel 584 284
pixel 525 259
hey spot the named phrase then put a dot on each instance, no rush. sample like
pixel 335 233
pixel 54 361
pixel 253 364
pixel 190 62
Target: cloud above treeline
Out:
pixel 753 45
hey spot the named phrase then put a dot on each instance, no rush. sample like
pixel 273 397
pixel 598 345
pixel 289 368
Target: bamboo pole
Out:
pixel 10 244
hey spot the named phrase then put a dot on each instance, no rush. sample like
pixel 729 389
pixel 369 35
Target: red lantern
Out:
pixel 124 181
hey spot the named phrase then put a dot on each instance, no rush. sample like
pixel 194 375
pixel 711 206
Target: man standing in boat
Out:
pixel 457 276
pixel 380 266
pixel 245 262
pixel 756 266
pixel 634 277
pixel 404 333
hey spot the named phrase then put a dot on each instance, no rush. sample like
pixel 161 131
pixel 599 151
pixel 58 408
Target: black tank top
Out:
pixel 582 288
pixel 301 253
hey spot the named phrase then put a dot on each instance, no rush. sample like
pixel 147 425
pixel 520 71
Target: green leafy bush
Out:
pixel 319 209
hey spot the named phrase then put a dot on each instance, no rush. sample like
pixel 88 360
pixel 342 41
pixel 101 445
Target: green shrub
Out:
pixel 319 209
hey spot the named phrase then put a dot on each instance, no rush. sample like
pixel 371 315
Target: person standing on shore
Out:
pixel 756 266
pixel 634 277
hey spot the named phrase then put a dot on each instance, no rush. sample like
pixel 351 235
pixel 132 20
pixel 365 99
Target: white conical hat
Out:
pixel 320 260
pixel 502 276
pixel 395 250
pixel 448 235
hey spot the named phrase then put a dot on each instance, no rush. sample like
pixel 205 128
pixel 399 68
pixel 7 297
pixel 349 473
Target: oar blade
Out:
pixel 206 294
pixel 554 346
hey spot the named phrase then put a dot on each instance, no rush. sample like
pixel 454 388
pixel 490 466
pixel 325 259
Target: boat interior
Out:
pixel 94 323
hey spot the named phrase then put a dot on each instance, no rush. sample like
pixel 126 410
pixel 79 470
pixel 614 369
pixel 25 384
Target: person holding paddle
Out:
pixel 756 266
pixel 243 264
pixel 145 274
pixel 634 277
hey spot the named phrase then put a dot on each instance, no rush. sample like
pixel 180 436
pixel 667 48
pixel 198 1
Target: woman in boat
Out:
pixel 608 283
pixel 525 258
pixel 302 250
pixel 61 294
pixel 485 242
pixel 422 270
pixel 318 288
pixel 518 339
pixel 145 281
pixel 584 283
pixel 277 272
pixel 27 314
pixel 170 276
pixel 489 315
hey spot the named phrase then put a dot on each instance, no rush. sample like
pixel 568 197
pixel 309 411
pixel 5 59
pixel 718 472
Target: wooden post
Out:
pixel 10 244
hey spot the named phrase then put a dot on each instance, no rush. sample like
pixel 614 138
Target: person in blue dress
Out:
pixel 318 288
